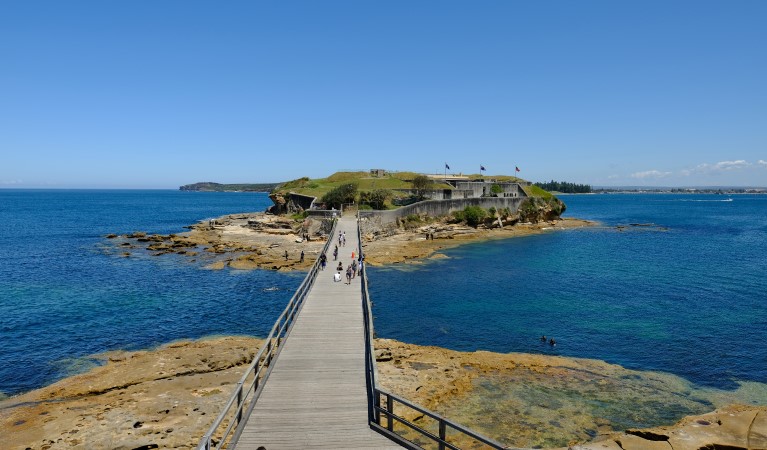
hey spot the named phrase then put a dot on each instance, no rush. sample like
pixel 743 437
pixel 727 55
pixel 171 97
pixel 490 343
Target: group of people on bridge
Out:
pixel 352 270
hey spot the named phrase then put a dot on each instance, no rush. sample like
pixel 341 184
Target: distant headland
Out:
pixel 678 190
pixel 207 186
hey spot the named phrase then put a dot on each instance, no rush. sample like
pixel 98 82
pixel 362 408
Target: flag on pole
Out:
pixel 481 168
pixel 517 167
pixel 447 167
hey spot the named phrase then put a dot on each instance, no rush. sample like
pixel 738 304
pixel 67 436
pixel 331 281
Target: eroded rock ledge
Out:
pixel 168 397
pixel 259 240
pixel 239 241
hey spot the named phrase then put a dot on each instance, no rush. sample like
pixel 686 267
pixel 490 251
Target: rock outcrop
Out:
pixel 240 241
pixel 538 209
pixel 167 399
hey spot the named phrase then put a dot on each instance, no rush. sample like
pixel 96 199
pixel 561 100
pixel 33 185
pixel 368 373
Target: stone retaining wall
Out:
pixel 377 221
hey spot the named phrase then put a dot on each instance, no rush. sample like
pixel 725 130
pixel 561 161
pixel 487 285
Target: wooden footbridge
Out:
pixel 320 367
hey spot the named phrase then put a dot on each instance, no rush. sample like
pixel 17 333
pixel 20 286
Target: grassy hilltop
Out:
pixel 317 187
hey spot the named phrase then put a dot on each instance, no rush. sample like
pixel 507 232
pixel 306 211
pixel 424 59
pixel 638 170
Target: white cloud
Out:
pixel 10 182
pixel 762 163
pixel 650 174
pixel 722 166
pixel 613 177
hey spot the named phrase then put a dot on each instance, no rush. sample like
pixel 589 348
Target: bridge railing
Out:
pixel 367 317
pixel 441 432
pixel 229 424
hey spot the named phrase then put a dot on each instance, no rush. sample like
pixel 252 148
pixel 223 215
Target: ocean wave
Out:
pixel 698 200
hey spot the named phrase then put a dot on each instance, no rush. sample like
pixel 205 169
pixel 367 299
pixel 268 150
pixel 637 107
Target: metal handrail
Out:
pixel 443 423
pixel 375 410
pixel 370 360
pixel 261 366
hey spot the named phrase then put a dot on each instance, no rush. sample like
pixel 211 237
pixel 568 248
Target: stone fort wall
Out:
pixel 378 221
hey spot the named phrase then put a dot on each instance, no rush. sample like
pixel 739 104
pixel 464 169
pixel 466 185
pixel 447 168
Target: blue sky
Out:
pixel 148 94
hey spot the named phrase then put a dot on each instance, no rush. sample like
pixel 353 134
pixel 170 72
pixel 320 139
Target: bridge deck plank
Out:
pixel 315 396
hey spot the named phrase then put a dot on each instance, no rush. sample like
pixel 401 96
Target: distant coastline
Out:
pixel 679 190
pixel 218 187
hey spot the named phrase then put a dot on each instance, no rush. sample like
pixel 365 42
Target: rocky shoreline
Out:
pixel 260 241
pixel 167 398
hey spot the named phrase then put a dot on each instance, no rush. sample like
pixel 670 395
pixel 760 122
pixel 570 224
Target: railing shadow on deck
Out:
pixel 442 433
pixel 228 426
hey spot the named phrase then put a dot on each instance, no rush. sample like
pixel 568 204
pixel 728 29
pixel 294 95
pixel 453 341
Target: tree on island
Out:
pixel 376 198
pixel 337 197
pixel 422 184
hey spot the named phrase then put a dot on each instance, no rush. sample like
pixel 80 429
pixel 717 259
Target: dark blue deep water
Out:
pixel 687 295
pixel 62 296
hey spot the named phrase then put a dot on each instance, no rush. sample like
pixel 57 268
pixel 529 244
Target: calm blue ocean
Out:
pixel 687 297
pixel 63 296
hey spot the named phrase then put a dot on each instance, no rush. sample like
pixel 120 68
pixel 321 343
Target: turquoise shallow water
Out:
pixel 689 300
pixel 687 295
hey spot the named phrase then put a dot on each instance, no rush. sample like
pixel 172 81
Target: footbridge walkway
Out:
pixel 320 366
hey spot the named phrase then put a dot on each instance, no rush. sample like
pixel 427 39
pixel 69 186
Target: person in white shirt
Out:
pixel 337 277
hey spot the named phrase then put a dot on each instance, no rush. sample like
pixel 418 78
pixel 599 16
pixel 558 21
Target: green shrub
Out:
pixel 496 189
pixel 530 207
pixel 473 215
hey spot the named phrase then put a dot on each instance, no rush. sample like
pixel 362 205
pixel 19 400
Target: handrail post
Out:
pixel 390 409
pixel 239 402
pixel 442 434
